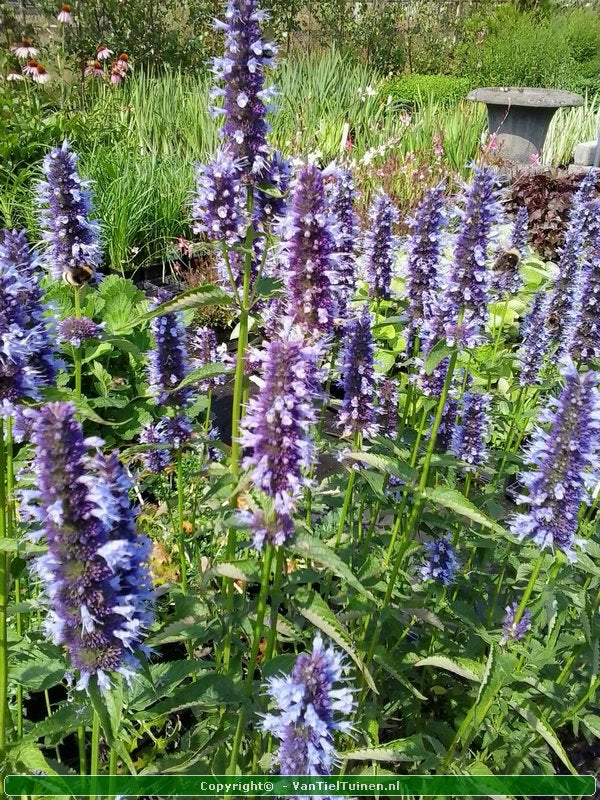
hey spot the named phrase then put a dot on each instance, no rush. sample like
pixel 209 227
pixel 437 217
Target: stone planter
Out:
pixel 520 117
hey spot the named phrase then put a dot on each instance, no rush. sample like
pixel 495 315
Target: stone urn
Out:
pixel 519 117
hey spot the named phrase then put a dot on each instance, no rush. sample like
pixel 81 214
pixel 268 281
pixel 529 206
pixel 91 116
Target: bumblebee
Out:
pixel 79 276
pixel 507 261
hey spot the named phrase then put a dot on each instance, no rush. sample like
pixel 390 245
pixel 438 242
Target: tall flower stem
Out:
pixel 347 496
pixel 236 414
pixel 4 567
pixel 529 589
pixel 509 437
pixel 95 752
pixel 272 640
pixel 10 517
pixel 417 507
pixel 248 682
pixel 77 350
pixel 180 530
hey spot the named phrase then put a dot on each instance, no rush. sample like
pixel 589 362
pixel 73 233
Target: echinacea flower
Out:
pixel 168 362
pixel 515 631
pixel 76 330
pixel 565 465
pixel 94 571
pixel 276 431
pixel 380 245
pixel 313 703
pixel 25 50
pixel 70 233
pixel 42 75
pixel 31 68
pixel 94 70
pixel 358 370
pixel 308 246
pixel 103 53
pixel 241 74
pixel 65 17
pixel 14 76
pixel 441 564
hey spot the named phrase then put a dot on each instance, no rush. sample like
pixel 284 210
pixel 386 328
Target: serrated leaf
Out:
pixel 385 659
pixel 246 571
pixel 314 608
pixel 27 755
pixel 386 465
pixel 197 297
pixel 455 501
pixel 436 355
pixel 202 374
pixel 592 722
pixel 208 691
pixel 64 720
pixel 84 410
pixel 315 549
pixel 463 667
pixel 531 714
pixel 376 754
pixel 109 707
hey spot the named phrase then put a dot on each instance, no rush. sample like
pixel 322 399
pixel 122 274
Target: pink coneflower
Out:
pixel 103 53
pixel 119 68
pixel 94 70
pixel 437 145
pixel 25 50
pixel 115 75
pixel 31 68
pixel 42 76
pixel 65 14
pixel 14 76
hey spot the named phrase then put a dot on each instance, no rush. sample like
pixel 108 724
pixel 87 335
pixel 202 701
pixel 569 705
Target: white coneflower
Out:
pixel 14 76
pixel 42 76
pixel 65 14
pixel 103 53
pixel 25 50
pixel 31 68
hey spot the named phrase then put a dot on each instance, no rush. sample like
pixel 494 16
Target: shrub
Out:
pixel 417 89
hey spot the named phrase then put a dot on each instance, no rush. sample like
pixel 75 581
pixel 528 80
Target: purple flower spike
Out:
pixel 582 224
pixel 308 255
pixel 241 71
pixel 536 339
pixel 219 207
pixel 512 631
pixel 424 250
pixel 72 237
pixel 27 359
pixel 380 246
pixel 94 572
pixel 565 461
pixel 276 428
pixel 207 351
pixel 341 198
pixel 358 368
pixel 468 280
pixel 582 333
pixel 388 408
pixel 518 239
pixel 155 433
pixel 446 431
pixel 76 330
pixel 311 709
pixel 179 431
pixel 168 362
pixel 442 564
pixel 270 199
pixel 470 437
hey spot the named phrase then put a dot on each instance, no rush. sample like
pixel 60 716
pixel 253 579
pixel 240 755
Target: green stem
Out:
pixel 10 517
pixel 180 530
pixel 514 421
pixel 272 640
pixel 529 589
pixel 345 507
pixel 77 350
pixel 95 754
pixel 81 748
pixel 4 568
pixel 249 680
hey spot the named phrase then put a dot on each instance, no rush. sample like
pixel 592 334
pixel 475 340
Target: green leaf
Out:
pixel 84 410
pixel 27 755
pixel 201 374
pixel 316 611
pixel 376 754
pixel 38 675
pixel 384 658
pixel 67 718
pixel 455 501
pixel 125 345
pixel 197 297
pixel 438 353
pixel 109 707
pixel 459 666
pixel 386 465
pixel 316 550
pixel 247 571
pixel 592 722
pixel 208 691
pixel 531 714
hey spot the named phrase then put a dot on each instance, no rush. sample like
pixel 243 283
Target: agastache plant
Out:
pixel 441 564
pixel 581 224
pixel 511 630
pixel 245 98
pixel 276 429
pixel 470 437
pixel 308 247
pixel 94 572
pixel 71 235
pixel 387 415
pixel 380 246
pixel 313 703
pixel 358 417
pixel 270 195
pixel 565 465
pixel 424 251
pixel 168 362
pixel 76 330
pixel 206 350
pixel 219 205
pixel 582 333
pixel 341 198
pixel 535 340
